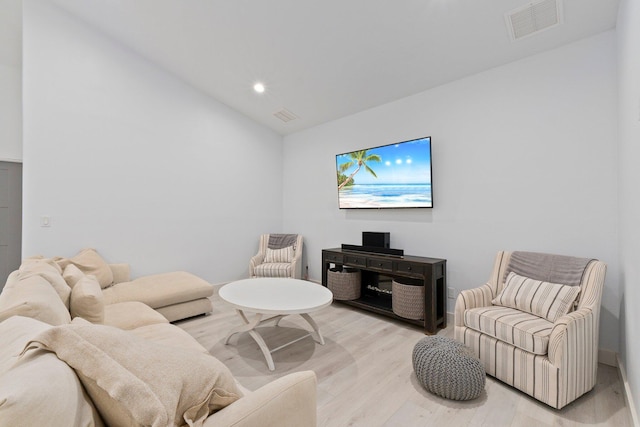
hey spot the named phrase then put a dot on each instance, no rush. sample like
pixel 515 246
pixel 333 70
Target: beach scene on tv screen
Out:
pixel 391 176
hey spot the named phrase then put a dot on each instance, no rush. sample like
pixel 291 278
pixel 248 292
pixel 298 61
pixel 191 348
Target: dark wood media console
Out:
pixel 377 271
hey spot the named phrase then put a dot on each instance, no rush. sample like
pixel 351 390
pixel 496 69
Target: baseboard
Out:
pixel 608 357
pixel 628 397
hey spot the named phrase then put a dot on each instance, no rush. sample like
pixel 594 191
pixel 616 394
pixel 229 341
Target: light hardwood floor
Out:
pixel 365 375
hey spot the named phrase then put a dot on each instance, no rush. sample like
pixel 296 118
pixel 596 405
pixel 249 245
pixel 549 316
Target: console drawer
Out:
pixel 380 264
pixel 410 268
pixel 335 258
pixel 355 260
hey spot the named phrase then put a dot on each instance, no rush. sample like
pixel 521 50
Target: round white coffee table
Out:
pixel 274 296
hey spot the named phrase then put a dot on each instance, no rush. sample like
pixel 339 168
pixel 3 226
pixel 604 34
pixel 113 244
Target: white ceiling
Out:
pixel 327 59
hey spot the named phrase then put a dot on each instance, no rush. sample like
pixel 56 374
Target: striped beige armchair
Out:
pixel 534 324
pixel 279 255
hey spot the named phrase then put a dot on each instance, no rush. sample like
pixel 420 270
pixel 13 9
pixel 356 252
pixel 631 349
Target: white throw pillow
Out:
pixel 33 297
pixel 279 255
pixel 72 275
pixel 87 300
pixel 547 300
pixel 50 271
pixel 90 262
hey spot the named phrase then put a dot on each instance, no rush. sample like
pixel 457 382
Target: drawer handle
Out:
pixel 379 264
pixel 409 268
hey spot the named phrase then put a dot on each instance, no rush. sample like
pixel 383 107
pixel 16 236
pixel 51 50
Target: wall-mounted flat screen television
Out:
pixel 389 176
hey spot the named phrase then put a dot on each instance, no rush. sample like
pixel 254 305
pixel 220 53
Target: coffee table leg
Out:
pixel 265 350
pixel 249 326
pixel 314 325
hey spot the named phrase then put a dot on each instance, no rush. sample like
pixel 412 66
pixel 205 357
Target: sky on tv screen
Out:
pixel 403 163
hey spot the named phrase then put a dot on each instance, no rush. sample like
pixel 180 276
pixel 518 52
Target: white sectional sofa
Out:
pixel 73 354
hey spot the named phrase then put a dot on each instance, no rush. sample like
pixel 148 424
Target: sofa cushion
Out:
pixel 544 299
pixel 279 255
pixel 39 260
pixel 16 331
pixel 72 274
pixel 121 272
pixel 523 330
pixel 87 300
pixel 33 297
pixel 184 310
pixel 159 290
pixel 38 389
pixel 90 262
pixel 168 334
pixel 133 381
pixel 50 271
pixel 130 315
pixel 12 279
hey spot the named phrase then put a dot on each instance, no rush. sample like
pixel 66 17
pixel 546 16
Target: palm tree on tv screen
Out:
pixel 361 158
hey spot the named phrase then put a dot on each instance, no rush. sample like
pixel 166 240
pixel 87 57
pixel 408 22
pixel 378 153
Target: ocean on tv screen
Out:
pixel 386 196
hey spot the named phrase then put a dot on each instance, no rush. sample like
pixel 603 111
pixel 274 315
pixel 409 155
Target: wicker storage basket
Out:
pixel 407 300
pixel 345 285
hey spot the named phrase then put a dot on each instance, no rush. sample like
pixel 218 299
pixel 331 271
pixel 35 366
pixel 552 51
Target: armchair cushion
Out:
pixel 544 299
pixel 523 330
pixel 273 270
pixel 279 255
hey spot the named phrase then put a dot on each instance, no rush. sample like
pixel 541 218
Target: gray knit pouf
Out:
pixel 447 368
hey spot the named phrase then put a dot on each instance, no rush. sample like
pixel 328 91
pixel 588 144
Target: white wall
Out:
pixel 10 113
pixel 629 176
pixel 524 158
pixel 128 159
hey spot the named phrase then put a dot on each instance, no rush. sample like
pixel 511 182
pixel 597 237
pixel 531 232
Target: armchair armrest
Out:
pixel 575 327
pixel 289 401
pixel 472 298
pixel 296 266
pixel 121 272
pixel 255 261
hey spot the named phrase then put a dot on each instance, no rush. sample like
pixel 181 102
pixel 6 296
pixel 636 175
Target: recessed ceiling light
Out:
pixel 258 87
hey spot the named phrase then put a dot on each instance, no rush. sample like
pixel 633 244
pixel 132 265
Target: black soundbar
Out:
pixel 374 250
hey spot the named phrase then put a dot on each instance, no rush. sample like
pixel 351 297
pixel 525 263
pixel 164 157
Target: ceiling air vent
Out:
pixel 533 18
pixel 285 115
